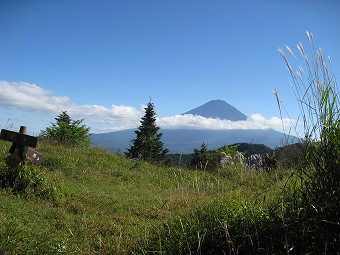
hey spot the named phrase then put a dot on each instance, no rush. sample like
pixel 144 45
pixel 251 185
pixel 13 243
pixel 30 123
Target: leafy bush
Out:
pixel 214 159
pixel 27 180
pixel 67 132
pixel 291 156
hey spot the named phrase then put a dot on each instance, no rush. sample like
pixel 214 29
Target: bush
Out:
pixel 215 159
pixel 67 132
pixel 27 180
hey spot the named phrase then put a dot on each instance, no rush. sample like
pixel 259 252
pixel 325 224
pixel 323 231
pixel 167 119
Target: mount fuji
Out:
pixel 218 109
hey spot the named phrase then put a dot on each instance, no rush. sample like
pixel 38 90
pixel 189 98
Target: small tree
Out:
pixel 148 145
pixel 67 131
pixel 214 159
pixel 201 157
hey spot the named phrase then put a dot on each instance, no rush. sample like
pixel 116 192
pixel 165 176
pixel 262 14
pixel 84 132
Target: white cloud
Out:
pixel 30 97
pixel 255 121
pixel 33 98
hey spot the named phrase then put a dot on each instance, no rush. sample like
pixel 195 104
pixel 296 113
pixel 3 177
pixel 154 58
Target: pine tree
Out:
pixel 148 145
pixel 64 117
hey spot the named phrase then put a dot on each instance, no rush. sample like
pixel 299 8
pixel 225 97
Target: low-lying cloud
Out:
pixel 31 97
pixel 255 121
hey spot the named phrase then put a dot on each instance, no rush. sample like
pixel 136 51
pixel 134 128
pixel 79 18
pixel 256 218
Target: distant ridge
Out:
pixel 185 140
pixel 218 109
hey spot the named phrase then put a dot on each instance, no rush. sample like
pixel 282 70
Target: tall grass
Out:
pixel 317 93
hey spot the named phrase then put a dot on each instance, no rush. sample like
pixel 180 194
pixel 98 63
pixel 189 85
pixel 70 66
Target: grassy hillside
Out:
pixel 103 203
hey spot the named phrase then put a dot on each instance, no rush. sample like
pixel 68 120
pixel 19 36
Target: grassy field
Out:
pixel 90 201
pixel 103 203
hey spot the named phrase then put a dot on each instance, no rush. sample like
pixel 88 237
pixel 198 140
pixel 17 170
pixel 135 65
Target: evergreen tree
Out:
pixel 201 157
pixel 64 117
pixel 148 145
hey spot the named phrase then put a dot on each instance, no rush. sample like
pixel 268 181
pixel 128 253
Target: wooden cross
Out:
pixel 19 149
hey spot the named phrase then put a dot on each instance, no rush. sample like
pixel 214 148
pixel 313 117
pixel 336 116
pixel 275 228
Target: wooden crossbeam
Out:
pixel 19 139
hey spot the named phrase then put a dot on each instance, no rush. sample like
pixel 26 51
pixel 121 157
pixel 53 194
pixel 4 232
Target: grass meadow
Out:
pixel 103 203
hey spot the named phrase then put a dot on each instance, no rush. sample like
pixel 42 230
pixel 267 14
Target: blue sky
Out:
pixel 103 60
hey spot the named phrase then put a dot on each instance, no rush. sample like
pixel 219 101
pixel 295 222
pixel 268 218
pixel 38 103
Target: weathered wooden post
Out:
pixel 20 150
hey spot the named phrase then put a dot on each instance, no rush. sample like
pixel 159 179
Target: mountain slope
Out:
pixel 185 140
pixel 218 109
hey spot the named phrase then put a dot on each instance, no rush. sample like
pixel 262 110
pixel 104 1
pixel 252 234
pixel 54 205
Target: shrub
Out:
pixel 217 158
pixel 28 180
pixel 67 132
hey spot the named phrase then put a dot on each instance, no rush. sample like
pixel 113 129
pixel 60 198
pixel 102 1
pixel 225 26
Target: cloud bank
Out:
pixel 33 98
pixel 30 97
pixel 255 121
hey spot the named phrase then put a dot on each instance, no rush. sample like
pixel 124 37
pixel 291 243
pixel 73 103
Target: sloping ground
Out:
pixel 106 202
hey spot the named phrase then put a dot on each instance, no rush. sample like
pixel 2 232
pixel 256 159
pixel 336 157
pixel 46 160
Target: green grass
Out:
pixel 107 204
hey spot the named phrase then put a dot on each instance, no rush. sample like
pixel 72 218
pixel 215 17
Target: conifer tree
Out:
pixel 148 145
pixel 64 117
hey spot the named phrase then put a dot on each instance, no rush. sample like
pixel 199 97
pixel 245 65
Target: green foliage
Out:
pixel 291 155
pixel 29 180
pixel 246 149
pixel 64 117
pixel 249 149
pixel 201 157
pixel 67 132
pixel 212 160
pixel 231 150
pixel 148 145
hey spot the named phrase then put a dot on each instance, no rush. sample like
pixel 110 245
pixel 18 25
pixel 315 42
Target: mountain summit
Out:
pixel 218 109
